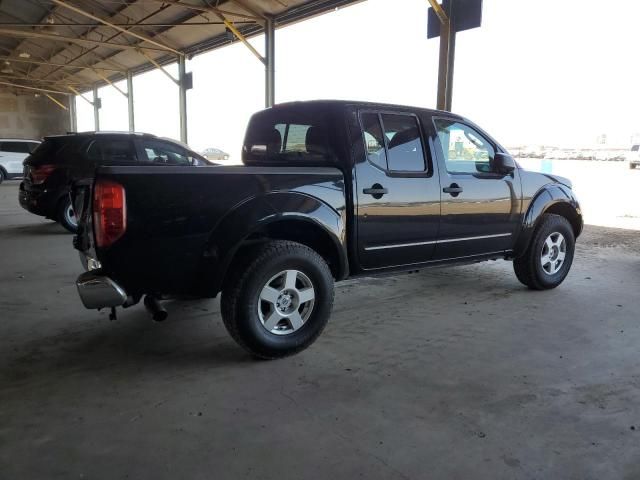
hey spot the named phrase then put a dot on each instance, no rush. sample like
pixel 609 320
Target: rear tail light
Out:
pixel 40 173
pixel 109 212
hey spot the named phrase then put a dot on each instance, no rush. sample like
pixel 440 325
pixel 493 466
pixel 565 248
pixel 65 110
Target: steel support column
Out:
pixel 96 109
pixel 132 123
pixel 73 117
pixel 445 62
pixel 269 64
pixel 183 97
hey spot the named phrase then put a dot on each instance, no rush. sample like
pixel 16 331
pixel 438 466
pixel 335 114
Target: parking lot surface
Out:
pixel 447 373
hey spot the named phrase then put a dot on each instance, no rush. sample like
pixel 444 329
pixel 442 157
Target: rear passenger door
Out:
pixel 397 191
pixel 480 207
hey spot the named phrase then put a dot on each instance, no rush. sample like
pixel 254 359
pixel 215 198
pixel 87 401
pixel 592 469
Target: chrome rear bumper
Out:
pixel 99 291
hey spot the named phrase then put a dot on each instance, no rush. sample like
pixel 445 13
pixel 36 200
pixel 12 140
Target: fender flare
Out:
pixel 549 197
pixel 254 215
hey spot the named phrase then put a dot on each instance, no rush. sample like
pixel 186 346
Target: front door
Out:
pixel 480 207
pixel 397 192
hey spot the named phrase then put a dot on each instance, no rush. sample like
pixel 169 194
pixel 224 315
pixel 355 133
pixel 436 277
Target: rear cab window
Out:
pixel 288 135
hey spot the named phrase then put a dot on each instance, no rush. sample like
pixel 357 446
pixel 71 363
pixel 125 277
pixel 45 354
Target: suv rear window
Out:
pixel 288 135
pixel 50 150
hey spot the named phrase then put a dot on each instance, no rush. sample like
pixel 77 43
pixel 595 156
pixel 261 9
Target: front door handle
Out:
pixel 454 189
pixel 376 190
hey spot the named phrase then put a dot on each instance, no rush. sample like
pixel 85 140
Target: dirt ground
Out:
pixel 448 373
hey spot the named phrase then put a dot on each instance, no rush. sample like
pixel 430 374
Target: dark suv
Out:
pixel 60 160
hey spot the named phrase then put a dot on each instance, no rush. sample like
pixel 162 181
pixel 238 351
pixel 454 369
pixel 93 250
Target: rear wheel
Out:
pixel 1 175
pixel 278 299
pixel 548 258
pixel 67 216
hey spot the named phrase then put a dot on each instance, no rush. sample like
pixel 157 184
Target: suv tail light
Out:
pixel 40 173
pixel 109 212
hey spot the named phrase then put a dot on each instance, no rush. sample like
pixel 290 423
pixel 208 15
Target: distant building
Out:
pixel 601 139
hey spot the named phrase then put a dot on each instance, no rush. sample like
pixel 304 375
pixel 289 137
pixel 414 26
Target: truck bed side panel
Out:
pixel 172 213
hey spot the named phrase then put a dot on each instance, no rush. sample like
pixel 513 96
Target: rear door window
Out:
pixel 111 151
pixel 374 140
pixel 404 143
pixel 393 142
pixel 165 153
pixel 15 147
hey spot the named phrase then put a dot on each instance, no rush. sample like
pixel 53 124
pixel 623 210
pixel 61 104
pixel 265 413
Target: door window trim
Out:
pixel 426 152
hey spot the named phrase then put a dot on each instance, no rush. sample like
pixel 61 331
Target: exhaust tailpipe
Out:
pixel 157 311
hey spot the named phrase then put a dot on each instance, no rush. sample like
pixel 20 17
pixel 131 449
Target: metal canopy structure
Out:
pixel 72 47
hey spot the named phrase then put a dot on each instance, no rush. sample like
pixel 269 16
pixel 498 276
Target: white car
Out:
pixel 215 154
pixel 634 156
pixel 12 153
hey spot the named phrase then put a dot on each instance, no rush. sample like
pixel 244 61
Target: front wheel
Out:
pixel 67 216
pixel 278 299
pixel 548 258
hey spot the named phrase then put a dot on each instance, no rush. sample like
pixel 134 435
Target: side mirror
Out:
pixel 503 163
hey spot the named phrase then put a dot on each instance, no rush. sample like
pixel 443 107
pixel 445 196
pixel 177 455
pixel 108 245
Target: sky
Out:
pixel 544 72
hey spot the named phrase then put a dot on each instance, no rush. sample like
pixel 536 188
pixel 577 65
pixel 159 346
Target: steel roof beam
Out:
pixel 125 31
pixel 56 101
pixel 108 57
pixel 246 7
pixel 34 79
pixel 209 9
pixel 160 67
pixel 442 15
pixel 61 65
pixel 78 41
pixel 28 87
pixel 129 25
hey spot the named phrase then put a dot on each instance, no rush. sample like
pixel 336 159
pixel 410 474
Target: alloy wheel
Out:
pixel 286 302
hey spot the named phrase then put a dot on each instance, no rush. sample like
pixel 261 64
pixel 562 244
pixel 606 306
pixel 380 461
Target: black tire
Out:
pixel 632 166
pixel 240 296
pixel 1 176
pixel 63 216
pixel 528 267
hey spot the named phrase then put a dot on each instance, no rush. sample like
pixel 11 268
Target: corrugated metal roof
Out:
pixel 58 44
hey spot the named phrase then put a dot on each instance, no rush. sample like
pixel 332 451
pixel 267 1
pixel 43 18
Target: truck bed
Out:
pixel 185 221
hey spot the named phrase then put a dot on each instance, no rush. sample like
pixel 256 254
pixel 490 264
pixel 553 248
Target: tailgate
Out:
pixel 81 196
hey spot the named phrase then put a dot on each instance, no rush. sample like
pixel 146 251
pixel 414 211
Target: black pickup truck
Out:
pixel 328 190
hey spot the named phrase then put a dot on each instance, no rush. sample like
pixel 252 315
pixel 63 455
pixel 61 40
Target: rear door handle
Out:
pixel 454 189
pixel 376 190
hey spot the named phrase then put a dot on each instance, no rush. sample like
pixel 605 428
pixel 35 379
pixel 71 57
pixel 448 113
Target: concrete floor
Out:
pixel 449 373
